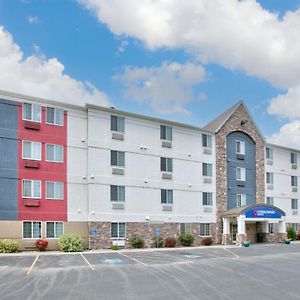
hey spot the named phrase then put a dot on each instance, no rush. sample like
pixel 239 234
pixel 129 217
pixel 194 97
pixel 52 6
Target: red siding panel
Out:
pixel 48 210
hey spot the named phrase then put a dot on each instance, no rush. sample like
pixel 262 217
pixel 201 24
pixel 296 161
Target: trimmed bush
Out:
pixel 170 242
pixel 291 233
pixel 157 242
pixel 70 243
pixel 136 241
pixel 186 239
pixel 115 247
pixel 9 246
pixel 207 241
pixel 41 244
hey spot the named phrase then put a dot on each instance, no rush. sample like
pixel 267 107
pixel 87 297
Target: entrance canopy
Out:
pixel 256 211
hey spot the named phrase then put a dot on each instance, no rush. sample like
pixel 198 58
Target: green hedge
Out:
pixel 70 243
pixel 9 246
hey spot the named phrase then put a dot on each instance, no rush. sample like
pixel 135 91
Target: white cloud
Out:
pixel 167 88
pixel 33 19
pixel 37 76
pixel 289 135
pixel 238 35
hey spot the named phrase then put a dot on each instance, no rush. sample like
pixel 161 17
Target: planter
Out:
pixel 287 241
pixel 246 243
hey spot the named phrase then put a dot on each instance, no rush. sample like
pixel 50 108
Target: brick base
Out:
pixel 103 240
pixel 226 239
pixel 240 238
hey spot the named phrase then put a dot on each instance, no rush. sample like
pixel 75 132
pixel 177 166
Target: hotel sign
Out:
pixel 263 212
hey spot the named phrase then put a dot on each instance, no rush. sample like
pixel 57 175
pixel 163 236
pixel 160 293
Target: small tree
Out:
pixel 186 239
pixel 291 233
pixel 136 241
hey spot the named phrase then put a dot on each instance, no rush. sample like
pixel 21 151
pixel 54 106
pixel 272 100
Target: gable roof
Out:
pixel 216 124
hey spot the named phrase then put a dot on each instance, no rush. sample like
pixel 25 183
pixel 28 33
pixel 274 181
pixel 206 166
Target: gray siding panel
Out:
pixel 8 160
pixel 248 163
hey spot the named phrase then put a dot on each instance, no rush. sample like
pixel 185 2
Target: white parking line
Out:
pixel 138 261
pixel 31 267
pixel 182 260
pixel 235 255
pixel 88 263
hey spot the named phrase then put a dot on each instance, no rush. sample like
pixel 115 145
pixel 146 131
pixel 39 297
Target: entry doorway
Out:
pixel 234 230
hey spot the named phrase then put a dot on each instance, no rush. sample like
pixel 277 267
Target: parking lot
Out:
pixel 257 272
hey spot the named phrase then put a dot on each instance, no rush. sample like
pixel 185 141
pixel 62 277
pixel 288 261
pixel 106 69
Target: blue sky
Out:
pixel 140 62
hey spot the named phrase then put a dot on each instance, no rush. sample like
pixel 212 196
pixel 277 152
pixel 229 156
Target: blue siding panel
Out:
pixel 8 160
pixel 248 163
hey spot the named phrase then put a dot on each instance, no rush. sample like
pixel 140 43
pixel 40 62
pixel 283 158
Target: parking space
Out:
pixel 107 259
pixel 19 262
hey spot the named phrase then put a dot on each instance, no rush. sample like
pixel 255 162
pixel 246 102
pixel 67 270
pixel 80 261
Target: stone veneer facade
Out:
pixel 145 230
pixel 249 128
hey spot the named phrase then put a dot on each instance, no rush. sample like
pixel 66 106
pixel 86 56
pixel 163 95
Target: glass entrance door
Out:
pixel 234 232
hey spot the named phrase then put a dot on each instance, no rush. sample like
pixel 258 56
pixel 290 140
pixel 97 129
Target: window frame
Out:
pixel 208 199
pixel 118 230
pixel 205 229
pixel 271 228
pixel 167 196
pixel 294 180
pixel 54 154
pixel 55 183
pixel 243 199
pixel 271 176
pixel 31 147
pixel 268 202
pixel 117 158
pixel 293 158
pixel 166 133
pixel 186 228
pixel 118 193
pixel 211 169
pixel 31 114
pixel 242 172
pixel 31 189
pixel 294 204
pixel 269 153
pixel 206 140
pixel 168 163
pixel 295 226
pixel 119 120
pixel 55 112
pixel 31 238
pixel 54 228
pixel 242 147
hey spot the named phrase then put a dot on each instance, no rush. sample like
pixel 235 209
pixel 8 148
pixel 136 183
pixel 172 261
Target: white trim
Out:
pixel 118 238
pixel 26 141
pixel 32 238
pixel 55 108
pixel 59 199
pixel 31 120
pixel 242 146
pixel 55 238
pixel 23 197
pixel 54 161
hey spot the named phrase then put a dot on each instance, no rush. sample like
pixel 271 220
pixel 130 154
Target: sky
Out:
pixel 186 61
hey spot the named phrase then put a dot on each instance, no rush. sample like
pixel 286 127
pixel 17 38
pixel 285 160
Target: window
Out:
pixel 167 196
pixel 271 228
pixel 269 178
pixel 185 228
pixel 54 230
pixel 241 200
pixel 207 199
pixel 270 200
pixel 294 203
pixel 294 226
pixel 54 190
pixel 165 133
pixel 31 189
pixel 31 230
pixel 240 147
pixel 54 153
pixel 32 112
pixel 293 158
pixel 205 229
pixel 117 158
pixel 118 230
pixel 55 116
pixel 240 174
pixel 207 169
pixel 294 181
pixel 166 164
pixel 206 140
pixel 269 153
pixel 117 123
pixel 117 193
pixel 31 150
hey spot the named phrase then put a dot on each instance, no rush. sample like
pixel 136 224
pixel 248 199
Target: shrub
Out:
pixel 41 244
pixel 291 233
pixel 70 243
pixel 137 242
pixel 157 242
pixel 115 247
pixel 186 239
pixel 170 242
pixel 207 241
pixel 9 246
